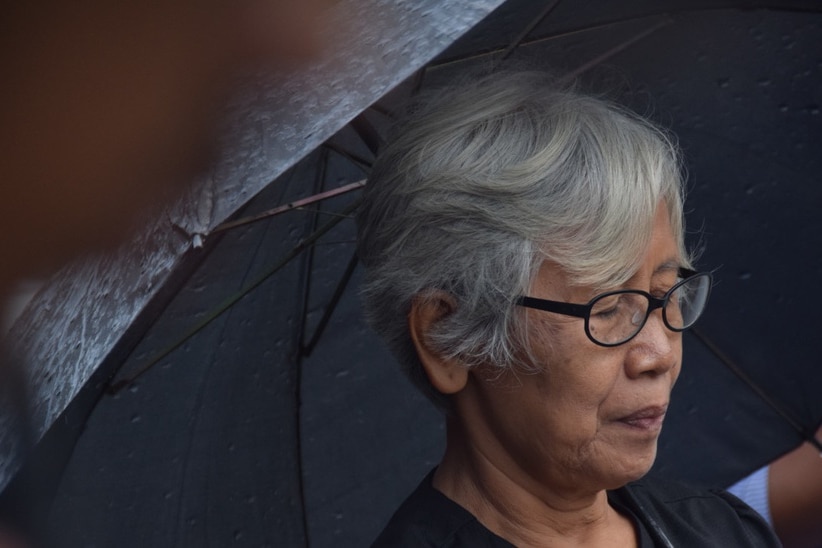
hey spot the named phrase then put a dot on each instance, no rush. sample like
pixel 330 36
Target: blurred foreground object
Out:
pixel 795 496
pixel 106 109
pixel 788 494
pixel 90 315
pixel 106 105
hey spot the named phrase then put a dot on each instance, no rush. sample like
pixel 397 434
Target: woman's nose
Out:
pixel 655 350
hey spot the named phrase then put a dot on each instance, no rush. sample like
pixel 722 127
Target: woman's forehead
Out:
pixel 661 257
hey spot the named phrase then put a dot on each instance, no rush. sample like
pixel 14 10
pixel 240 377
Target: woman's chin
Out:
pixel 633 467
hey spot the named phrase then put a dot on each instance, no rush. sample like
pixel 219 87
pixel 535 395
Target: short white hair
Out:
pixel 487 179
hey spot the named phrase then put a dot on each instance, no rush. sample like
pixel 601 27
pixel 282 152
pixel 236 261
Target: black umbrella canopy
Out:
pixel 244 434
pixel 86 320
pixel 238 437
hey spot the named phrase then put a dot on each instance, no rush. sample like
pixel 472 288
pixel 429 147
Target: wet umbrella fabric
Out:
pixel 207 447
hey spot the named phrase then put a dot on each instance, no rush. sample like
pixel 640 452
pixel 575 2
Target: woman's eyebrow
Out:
pixel 667 266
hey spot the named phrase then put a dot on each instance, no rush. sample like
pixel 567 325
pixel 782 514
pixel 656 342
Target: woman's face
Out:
pixel 590 419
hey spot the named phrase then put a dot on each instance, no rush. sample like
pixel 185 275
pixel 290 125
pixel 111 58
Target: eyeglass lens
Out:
pixel 617 317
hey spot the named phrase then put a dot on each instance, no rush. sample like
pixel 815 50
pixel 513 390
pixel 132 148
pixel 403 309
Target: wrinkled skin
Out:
pixel 532 455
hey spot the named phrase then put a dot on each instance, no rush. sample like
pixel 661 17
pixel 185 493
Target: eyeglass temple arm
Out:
pixel 581 310
pixel 567 309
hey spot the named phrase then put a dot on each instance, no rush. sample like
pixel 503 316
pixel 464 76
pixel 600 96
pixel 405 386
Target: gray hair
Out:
pixel 485 181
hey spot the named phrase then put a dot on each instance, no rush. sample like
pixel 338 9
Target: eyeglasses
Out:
pixel 616 317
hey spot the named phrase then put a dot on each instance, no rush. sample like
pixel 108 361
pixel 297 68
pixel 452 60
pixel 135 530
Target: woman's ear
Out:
pixel 447 375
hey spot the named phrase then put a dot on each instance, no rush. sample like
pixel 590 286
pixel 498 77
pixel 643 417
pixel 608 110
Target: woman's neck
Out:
pixel 515 507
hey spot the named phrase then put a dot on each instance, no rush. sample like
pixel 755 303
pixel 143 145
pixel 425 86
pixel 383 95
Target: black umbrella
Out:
pixel 238 436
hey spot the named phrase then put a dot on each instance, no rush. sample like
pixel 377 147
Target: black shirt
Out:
pixel 664 514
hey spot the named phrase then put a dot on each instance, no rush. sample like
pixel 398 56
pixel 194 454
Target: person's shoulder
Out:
pixel 705 517
pixel 428 518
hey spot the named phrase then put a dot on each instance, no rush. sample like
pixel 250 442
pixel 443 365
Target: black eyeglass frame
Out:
pixel 584 310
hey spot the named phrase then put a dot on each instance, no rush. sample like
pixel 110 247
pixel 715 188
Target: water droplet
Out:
pixel 238 535
pixel 745 275
pixel 723 82
pixel 136 418
pixel 783 107
pixel 763 82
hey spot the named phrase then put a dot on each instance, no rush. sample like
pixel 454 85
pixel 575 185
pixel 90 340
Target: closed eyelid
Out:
pixel 671 266
pixel 664 277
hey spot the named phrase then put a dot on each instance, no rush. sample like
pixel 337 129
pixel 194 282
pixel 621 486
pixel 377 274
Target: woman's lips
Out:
pixel 647 419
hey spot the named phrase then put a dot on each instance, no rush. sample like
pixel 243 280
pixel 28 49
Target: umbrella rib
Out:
pixel 332 305
pixel 614 50
pixel 554 36
pixel 419 78
pixel 653 14
pixel 363 164
pixel 308 260
pixel 328 213
pixel 527 30
pixel 307 267
pixel 617 21
pixel 310 240
pixel 297 204
pixel 367 133
pixel 807 434
pixel 379 109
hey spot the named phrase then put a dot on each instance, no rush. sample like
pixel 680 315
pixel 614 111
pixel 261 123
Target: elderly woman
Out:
pixel 525 261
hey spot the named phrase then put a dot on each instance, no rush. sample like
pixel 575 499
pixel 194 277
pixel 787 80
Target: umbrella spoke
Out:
pixel 526 31
pixel 381 110
pixel 297 204
pixel 306 243
pixel 668 13
pixel 807 434
pixel 308 262
pixel 367 133
pixel 305 289
pixel 614 50
pixel 306 350
pixel 358 161
pixel 547 38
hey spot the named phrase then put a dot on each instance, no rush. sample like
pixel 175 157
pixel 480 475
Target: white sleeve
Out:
pixel 753 490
